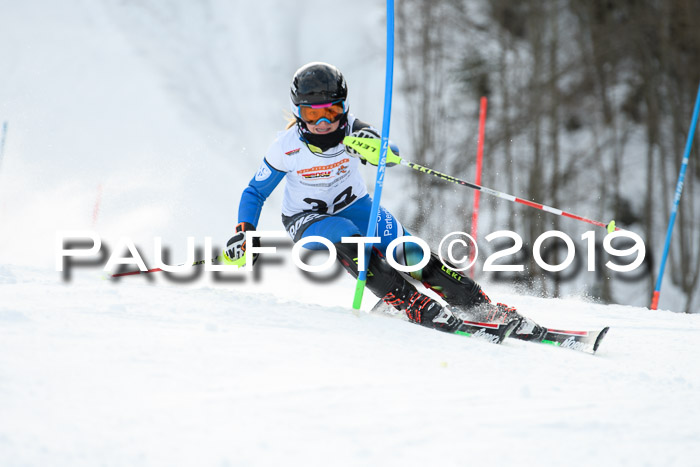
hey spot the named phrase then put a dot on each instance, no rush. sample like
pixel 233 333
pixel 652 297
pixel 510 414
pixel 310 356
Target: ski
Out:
pixel 584 341
pixel 491 332
pixel 495 333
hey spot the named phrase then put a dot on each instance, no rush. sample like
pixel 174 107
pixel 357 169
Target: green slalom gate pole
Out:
pixel 381 167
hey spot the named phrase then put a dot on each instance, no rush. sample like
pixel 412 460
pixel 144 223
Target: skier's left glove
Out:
pixel 235 251
pixel 365 143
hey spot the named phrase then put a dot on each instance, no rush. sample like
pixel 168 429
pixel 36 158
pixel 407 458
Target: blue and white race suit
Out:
pixel 325 193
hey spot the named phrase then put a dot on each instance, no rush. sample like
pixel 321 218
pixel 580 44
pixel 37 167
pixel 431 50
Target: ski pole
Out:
pixel 610 226
pixel 369 148
pixel 133 273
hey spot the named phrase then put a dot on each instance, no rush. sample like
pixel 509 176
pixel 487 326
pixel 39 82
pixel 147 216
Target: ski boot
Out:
pixel 395 290
pixel 502 313
pixel 465 295
pixel 420 308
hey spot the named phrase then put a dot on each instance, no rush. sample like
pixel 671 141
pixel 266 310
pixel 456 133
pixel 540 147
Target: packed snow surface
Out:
pixel 145 119
pixel 146 372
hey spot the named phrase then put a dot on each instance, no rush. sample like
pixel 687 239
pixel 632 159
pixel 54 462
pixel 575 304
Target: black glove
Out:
pixel 235 250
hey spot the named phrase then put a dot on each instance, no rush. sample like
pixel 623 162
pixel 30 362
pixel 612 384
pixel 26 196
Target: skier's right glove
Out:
pixel 235 251
pixel 365 143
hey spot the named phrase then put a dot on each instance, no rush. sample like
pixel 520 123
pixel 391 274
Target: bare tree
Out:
pixel 593 71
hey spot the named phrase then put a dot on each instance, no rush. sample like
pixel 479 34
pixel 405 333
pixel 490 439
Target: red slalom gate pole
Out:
pixel 96 208
pixel 479 165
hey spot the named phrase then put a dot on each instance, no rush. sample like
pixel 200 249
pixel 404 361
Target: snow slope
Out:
pixel 112 128
pixel 154 115
pixel 151 373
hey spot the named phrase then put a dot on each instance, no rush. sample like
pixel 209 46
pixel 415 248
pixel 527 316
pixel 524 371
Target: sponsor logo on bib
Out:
pixel 325 171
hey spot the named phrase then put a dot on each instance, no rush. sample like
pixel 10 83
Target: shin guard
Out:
pixel 387 283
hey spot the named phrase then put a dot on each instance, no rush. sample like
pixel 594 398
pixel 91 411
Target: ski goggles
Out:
pixel 313 114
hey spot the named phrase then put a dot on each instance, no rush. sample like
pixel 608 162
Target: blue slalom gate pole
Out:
pixel 2 141
pixel 676 200
pixel 381 167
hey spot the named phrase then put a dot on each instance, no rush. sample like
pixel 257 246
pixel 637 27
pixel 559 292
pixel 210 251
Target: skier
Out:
pixel 325 195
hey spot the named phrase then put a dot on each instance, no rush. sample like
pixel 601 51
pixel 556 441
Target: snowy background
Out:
pixel 140 120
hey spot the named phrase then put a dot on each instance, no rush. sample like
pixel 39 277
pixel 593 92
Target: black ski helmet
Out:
pixel 318 83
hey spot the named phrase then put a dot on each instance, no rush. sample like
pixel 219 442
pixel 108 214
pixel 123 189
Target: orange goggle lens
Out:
pixel 312 114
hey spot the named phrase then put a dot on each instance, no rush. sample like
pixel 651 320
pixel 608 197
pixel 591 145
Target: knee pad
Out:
pixel 381 277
